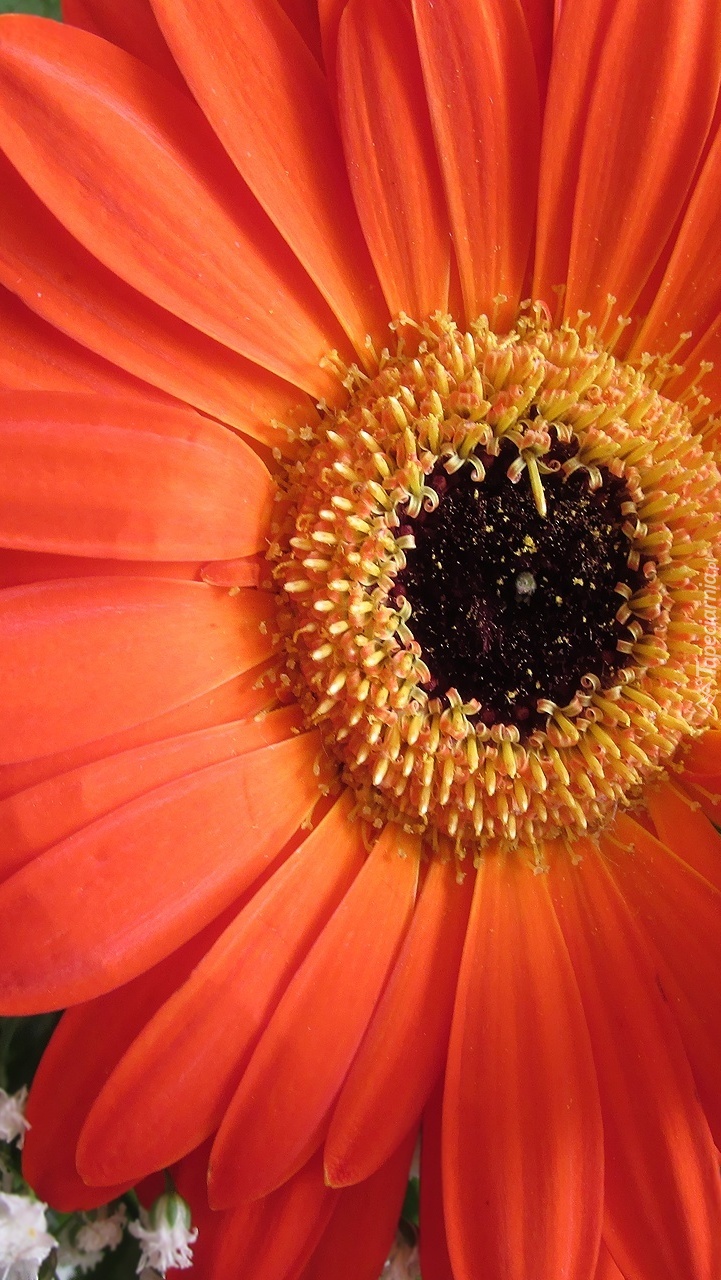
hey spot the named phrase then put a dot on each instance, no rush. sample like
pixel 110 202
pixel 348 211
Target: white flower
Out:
pixel 73 1262
pixel 165 1235
pixel 24 1239
pixel 12 1116
pixel 105 1231
pixel 102 1232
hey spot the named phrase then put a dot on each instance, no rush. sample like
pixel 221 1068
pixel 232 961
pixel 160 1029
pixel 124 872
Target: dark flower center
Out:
pixel 510 607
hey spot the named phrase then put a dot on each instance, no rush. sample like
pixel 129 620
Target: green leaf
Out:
pixel 46 8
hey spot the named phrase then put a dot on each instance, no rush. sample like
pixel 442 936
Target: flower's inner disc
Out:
pixel 497 566
pixel 511 607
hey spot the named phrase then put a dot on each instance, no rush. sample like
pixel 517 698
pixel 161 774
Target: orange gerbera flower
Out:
pixel 359 631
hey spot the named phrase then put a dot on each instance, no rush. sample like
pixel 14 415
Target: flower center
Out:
pixel 513 608
pixel 498 569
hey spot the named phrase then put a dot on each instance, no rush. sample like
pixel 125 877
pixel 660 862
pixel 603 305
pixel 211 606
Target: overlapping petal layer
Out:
pixel 199 204
pixel 101 476
pixel 251 293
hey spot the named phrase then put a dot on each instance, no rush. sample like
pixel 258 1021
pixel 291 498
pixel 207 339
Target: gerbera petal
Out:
pixel 522 1138
pixel 236 699
pixel 247 571
pixel 288 153
pixel 88 657
pixel 391 156
pixel 330 13
pixel 40 816
pixel 708 796
pixel 643 139
pixel 26 568
pixel 36 355
pixel 276 1236
pixel 682 826
pixel 433 1247
pixel 304 16
pixel 359 1235
pixel 539 17
pixel 395 1069
pixel 72 126
pixel 487 143
pixel 130 25
pixel 278 1114
pixel 607 1269
pixel 663 1192
pixel 681 913
pixel 703 755
pixel 75 1066
pixel 689 299
pixel 141 881
pixel 217 1015
pixel 61 281
pixel 577 46
pixel 97 475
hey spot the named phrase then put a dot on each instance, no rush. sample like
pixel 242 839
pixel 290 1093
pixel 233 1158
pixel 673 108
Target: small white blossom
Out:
pixel 12 1116
pixel 24 1239
pixel 105 1231
pixel 165 1235
pixel 73 1262
pixel 102 1232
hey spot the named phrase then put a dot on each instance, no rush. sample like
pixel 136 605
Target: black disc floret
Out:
pixel 509 607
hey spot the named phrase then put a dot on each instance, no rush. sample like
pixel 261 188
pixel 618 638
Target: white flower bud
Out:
pixel 165 1235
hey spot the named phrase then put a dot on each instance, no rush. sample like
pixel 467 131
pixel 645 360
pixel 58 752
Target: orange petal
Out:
pixel 274 1238
pixel 522 1137
pixel 644 136
pixel 689 299
pixel 130 25
pixel 663 1191
pixel 577 46
pixel 703 755
pixel 61 281
pixel 359 1235
pixel 41 816
pixel 279 1112
pixel 246 571
pixel 391 156
pixel 330 13
pixel 304 16
pixel 101 476
pixel 681 914
pixel 606 1269
pixel 539 18
pixel 24 568
pixel 74 1068
pixel 92 656
pixel 404 1048
pixel 139 882
pixel 487 142
pixel 708 797
pixel 435 1262
pixel 682 826
pixel 36 355
pixel 234 58
pixel 212 1022
pixel 85 124
pixel 236 699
